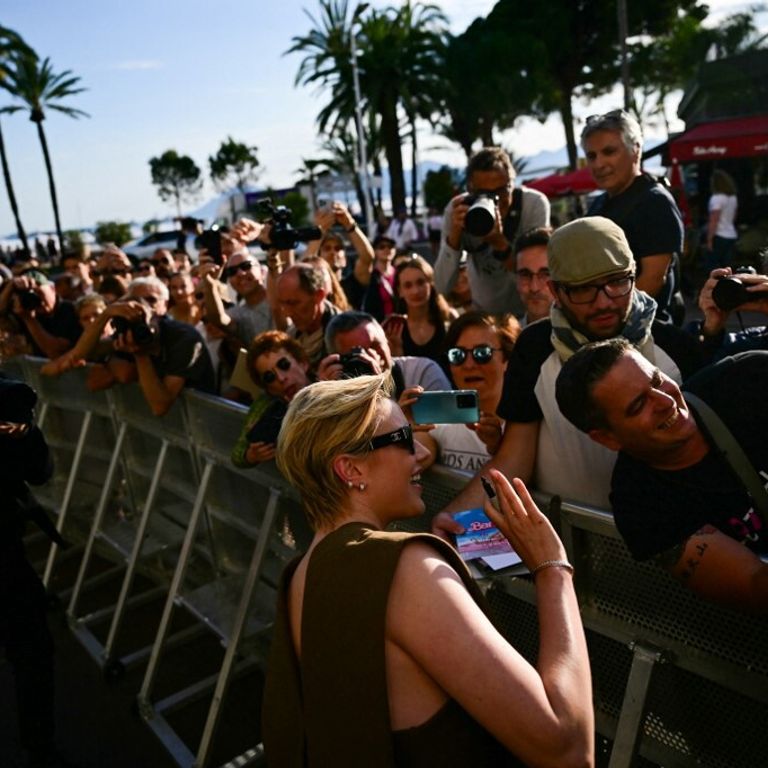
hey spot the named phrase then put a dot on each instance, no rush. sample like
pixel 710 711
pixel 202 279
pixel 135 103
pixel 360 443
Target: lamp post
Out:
pixel 362 157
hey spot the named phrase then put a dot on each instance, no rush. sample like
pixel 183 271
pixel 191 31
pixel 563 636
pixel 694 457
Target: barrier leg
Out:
pixel 633 707
pixel 68 491
pixel 97 520
pixel 135 554
pixel 145 708
pixel 243 608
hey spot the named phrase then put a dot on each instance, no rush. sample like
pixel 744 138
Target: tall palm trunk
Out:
pixel 414 165
pixel 390 134
pixel 51 184
pixel 12 196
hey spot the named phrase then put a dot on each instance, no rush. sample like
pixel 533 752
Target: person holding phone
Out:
pixel 279 365
pixel 421 328
pixel 478 347
pixel 383 651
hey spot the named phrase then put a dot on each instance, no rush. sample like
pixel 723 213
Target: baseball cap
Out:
pixel 35 274
pixel 588 249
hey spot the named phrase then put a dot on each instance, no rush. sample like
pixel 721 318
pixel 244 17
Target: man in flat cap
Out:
pixel 592 282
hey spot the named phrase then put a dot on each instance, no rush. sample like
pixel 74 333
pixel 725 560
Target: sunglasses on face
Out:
pixel 481 354
pixel 402 438
pixel 143 268
pixel 151 300
pixel 586 294
pixel 269 377
pixel 243 266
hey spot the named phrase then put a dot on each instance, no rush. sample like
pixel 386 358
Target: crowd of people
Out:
pixel 571 338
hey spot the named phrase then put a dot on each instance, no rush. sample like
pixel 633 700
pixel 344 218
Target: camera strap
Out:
pixel 512 221
pixel 732 452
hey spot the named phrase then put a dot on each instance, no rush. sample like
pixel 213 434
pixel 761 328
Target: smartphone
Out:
pixel 393 323
pixel 455 406
pixel 211 241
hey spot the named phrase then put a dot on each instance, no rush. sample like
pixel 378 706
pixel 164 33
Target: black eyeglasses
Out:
pixel 481 354
pixel 498 192
pixel 143 268
pixel 586 294
pixel 283 364
pixel 402 438
pixel 243 266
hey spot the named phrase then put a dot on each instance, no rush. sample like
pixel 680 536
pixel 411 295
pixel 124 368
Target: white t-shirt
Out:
pixel 460 447
pixel 402 232
pixel 727 205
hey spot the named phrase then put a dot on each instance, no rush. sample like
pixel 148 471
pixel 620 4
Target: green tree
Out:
pixel 116 232
pixel 398 68
pixel 233 166
pixel 150 226
pixel 11 45
pixel 440 186
pixel 73 239
pixel 176 177
pixel 39 88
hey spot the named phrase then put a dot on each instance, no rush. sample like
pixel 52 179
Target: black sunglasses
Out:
pixel 243 266
pixel 283 364
pixel 402 438
pixel 481 354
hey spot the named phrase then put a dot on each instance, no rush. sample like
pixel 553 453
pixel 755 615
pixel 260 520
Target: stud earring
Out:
pixel 361 486
pixel 350 484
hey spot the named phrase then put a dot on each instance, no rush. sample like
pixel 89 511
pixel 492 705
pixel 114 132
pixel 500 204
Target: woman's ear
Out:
pixel 346 468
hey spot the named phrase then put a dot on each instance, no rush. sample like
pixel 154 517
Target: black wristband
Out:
pixel 351 229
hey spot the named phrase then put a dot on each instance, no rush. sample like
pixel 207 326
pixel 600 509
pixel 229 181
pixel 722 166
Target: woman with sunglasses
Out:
pixel 422 330
pixel 477 347
pixel 278 364
pixel 383 653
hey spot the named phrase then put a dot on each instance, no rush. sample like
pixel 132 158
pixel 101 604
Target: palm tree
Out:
pixel 11 44
pixel 36 85
pixel 399 50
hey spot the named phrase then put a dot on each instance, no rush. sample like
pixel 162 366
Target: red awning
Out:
pixel 740 137
pixel 559 184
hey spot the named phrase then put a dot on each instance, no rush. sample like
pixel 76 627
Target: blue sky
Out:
pixel 180 74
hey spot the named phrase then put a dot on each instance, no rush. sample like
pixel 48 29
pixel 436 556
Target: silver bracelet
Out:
pixel 552 564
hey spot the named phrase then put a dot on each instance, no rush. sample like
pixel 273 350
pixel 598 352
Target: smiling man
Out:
pixel 675 498
pixel 591 282
pixel 642 207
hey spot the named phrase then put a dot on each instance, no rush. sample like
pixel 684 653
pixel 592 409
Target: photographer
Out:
pixel 358 346
pixel 24 634
pixel 723 293
pixel 163 354
pixel 507 213
pixel 48 322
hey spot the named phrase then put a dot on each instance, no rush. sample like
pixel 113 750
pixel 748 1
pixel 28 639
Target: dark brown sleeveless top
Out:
pixel 332 710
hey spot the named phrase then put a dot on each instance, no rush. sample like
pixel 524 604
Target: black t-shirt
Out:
pixel 62 322
pixel 656 510
pixel 652 223
pixel 183 353
pixel 534 345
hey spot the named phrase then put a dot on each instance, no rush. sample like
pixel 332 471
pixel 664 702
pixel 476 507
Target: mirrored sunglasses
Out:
pixel 481 354
pixel 269 377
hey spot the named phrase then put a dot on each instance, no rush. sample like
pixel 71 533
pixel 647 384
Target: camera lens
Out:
pixel 729 293
pixel 465 401
pixel 481 216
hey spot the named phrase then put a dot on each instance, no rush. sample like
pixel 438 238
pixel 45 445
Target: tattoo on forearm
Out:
pixel 692 563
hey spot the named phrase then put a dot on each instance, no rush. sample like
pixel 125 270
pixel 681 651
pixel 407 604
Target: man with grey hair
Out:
pixel 163 354
pixel 490 258
pixel 360 336
pixel 639 204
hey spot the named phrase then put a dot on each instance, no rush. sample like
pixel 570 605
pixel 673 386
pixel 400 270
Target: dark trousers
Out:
pixel 28 647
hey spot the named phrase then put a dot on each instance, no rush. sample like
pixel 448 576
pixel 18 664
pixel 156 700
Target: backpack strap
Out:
pixel 733 453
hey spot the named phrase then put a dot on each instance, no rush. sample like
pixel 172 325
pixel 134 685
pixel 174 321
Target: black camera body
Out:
pixel 283 235
pixel 353 365
pixel 481 216
pixel 210 239
pixel 143 333
pixel 29 300
pixel 730 292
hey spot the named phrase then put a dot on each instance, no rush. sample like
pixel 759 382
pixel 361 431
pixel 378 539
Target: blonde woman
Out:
pixel 383 654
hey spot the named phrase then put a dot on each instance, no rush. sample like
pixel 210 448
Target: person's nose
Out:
pixel 661 399
pixel 421 452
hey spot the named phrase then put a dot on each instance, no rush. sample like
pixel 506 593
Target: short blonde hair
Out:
pixel 325 420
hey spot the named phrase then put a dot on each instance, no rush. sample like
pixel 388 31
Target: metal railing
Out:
pixel 677 681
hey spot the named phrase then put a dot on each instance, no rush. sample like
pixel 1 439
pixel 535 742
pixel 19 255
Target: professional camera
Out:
pixel 730 292
pixel 143 333
pixel 282 235
pixel 29 300
pixel 353 365
pixel 481 216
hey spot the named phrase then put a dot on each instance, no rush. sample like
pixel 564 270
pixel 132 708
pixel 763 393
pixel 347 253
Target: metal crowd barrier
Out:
pixel 677 681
